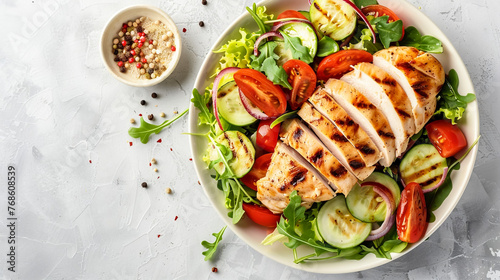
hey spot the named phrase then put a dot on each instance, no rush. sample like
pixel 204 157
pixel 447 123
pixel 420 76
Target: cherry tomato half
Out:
pixel 411 216
pixel 257 172
pixel 290 14
pixel 380 11
pixel 303 80
pixel 267 137
pixel 261 215
pixel 446 137
pixel 262 92
pixel 339 63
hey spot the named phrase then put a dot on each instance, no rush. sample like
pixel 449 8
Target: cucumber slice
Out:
pixel 305 33
pixel 422 164
pixel 283 53
pixel 338 227
pixel 230 106
pixel 241 148
pixel 333 18
pixel 365 204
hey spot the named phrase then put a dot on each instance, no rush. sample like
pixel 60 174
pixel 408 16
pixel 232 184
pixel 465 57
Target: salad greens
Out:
pixel 327 46
pixel 237 52
pixel 450 103
pixel 146 129
pixel 282 118
pixel 212 247
pixel 364 3
pixel 425 43
pixel 298 50
pixel 267 63
pixel 388 32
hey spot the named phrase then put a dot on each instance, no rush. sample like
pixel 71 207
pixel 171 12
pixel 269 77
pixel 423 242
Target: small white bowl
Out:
pixel 114 26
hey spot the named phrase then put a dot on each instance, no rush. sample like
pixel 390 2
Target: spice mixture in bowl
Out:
pixel 141 46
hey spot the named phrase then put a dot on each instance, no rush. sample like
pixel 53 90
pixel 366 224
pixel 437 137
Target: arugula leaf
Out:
pixel 146 129
pixel 212 247
pixel 425 43
pixel 266 50
pixel 388 32
pixel 238 211
pixel 450 102
pixel 327 46
pixel 259 15
pixel 283 117
pixel 364 3
pixel 275 74
pixel 266 62
pixel 298 50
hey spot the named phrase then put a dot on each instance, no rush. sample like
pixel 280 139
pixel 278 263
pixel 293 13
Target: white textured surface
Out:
pixel 59 109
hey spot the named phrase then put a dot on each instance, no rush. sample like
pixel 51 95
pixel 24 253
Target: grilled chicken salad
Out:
pixel 335 126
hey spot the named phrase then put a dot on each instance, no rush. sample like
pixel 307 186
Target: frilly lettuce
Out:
pixel 237 52
pixel 450 102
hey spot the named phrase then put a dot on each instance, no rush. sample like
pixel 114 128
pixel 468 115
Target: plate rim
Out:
pixel 472 110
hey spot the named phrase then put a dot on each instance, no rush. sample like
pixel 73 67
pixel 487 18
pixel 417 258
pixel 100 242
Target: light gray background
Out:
pixel 60 109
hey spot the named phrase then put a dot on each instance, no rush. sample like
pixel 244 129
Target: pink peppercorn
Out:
pixel 131 60
pixel 124 43
pixel 138 65
pixel 151 42
pixel 139 44
pixel 120 63
pixel 144 60
pixel 132 52
pixel 173 48
pixel 143 39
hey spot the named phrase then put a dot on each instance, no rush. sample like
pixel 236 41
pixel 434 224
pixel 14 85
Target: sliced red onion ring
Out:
pixel 251 108
pixel 295 20
pixel 363 17
pixel 346 41
pixel 310 3
pixel 262 37
pixel 445 173
pixel 219 76
pixel 389 214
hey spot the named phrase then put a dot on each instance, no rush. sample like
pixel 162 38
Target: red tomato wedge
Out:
pixel 267 137
pixel 446 137
pixel 257 172
pixel 380 11
pixel 262 92
pixel 290 14
pixel 411 216
pixel 261 215
pixel 339 63
pixel 303 80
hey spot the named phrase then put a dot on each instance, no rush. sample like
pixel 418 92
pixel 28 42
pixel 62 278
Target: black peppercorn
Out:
pixel 128 38
pixel 151 117
pixel 201 24
pixel 128 55
pixel 143 102
pixel 115 52
pixel 154 95
pixel 144 184
pixel 150 71
pixel 122 69
pixel 204 2
pixel 139 29
pixel 116 59
pixel 127 48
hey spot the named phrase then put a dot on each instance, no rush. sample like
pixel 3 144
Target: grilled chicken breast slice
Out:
pixel 325 104
pixel 367 115
pixel 420 74
pixel 297 135
pixel 287 172
pixel 386 94
pixel 335 141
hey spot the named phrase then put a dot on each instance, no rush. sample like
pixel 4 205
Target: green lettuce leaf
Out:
pixel 388 32
pixel 212 247
pixel 299 51
pixel 425 43
pixel 450 103
pixel 237 52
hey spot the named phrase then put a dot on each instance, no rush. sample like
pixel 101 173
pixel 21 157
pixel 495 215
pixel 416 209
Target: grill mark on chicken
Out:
pixel 299 177
pixel 339 172
pixel 354 164
pixel 339 137
pixel 316 157
pixel 363 105
pixel 365 149
pixel 386 81
pixel 385 134
pixel 421 88
pixel 403 113
pixel 297 134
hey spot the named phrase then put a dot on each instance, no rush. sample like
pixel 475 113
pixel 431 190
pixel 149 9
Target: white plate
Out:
pixel 253 234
